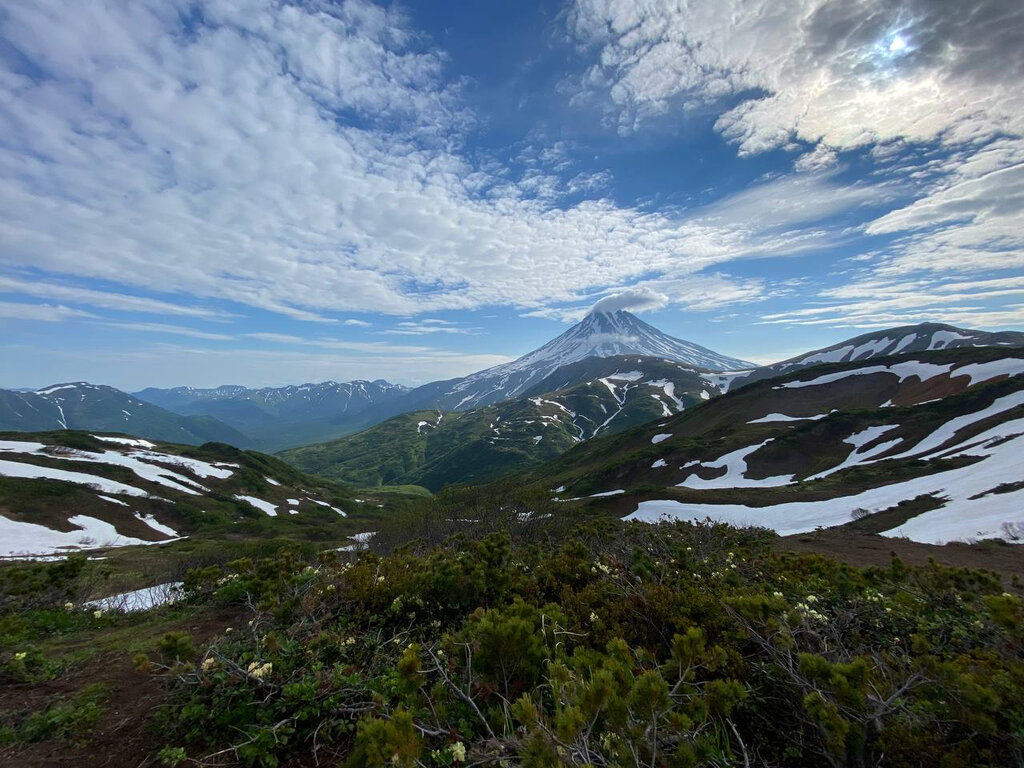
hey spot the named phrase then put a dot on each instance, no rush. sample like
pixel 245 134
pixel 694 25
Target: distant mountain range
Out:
pixel 592 397
pixel 568 370
pixel 909 431
pixel 80 405
pixel 278 417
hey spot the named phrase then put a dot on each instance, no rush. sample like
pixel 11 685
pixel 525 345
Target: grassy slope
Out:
pixel 800 448
pixel 483 444
pixel 213 515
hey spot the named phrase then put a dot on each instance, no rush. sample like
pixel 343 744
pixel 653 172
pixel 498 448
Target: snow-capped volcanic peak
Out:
pixel 599 334
pixel 607 334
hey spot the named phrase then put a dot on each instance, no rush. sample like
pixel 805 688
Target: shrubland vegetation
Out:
pixel 486 628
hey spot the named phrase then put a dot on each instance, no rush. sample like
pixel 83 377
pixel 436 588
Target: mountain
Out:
pixel 64 491
pixel 925 445
pixel 599 334
pixel 579 401
pixel 280 417
pixel 892 341
pixel 434 448
pixel 94 407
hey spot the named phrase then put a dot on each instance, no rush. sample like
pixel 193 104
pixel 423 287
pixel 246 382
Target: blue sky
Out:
pixel 260 192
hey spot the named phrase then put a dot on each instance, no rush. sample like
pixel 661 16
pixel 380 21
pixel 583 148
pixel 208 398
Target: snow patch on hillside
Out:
pixel 902 371
pixel 972 508
pixel 776 417
pixel 144 599
pixel 858 455
pixel 21 469
pixel 735 464
pixel 260 504
pixel 20 538
pixel 132 441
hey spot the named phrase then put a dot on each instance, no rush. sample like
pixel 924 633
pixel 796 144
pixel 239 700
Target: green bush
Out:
pixel 610 644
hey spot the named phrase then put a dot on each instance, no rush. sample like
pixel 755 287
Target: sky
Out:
pixel 200 192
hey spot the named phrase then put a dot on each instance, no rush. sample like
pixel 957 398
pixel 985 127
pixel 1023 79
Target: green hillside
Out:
pixel 428 448
pixel 70 490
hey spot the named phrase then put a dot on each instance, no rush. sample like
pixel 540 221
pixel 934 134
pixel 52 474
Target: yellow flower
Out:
pixel 69 606
pixel 20 656
pixel 97 614
pixel 458 752
pixel 208 663
pixel 259 671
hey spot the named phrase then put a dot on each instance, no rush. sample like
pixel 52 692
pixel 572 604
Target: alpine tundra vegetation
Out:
pixel 559 384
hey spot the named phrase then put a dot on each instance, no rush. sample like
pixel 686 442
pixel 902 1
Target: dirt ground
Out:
pixel 865 549
pixel 124 737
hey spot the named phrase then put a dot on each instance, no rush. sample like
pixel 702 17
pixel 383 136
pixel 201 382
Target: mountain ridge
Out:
pixel 825 446
pixel 433 448
pixel 98 407
pixel 280 417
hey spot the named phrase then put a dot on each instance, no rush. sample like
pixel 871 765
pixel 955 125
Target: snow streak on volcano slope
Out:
pixel 599 334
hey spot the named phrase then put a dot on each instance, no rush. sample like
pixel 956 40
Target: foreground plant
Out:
pixel 626 645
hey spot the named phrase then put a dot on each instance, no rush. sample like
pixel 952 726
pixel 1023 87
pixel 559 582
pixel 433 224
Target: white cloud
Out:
pixel 373 347
pixel 698 293
pixel 174 330
pixel 971 219
pixel 860 74
pixel 47 313
pixel 141 367
pixel 429 325
pixel 880 302
pixel 102 299
pixel 820 158
pixel 212 163
pixel 820 70
pixel 634 300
